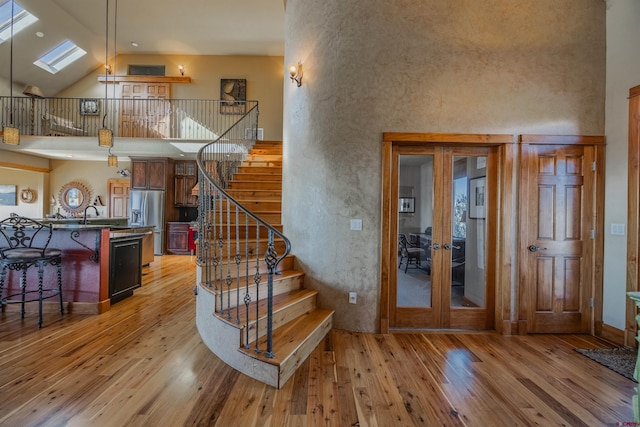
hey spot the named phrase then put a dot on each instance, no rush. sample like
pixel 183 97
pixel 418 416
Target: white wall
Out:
pixel 623 73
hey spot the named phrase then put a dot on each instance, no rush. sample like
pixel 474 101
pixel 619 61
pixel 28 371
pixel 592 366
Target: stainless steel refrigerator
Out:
pixel 146 210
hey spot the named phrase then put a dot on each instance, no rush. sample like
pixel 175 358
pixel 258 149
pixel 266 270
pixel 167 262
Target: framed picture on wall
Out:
pixel 8 195
pixel 233 94
pixel 89 107
pixel 407 205
pixel 477 197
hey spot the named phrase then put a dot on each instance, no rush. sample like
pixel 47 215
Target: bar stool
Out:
pixel 24 243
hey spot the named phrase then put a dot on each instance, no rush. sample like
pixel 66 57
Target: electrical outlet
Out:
pixel 353 297
pixel 356 224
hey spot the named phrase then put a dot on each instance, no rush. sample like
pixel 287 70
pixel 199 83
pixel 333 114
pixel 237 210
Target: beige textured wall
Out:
pixel 372 66
pixel 264 76
pixel 24 179
pixel 93 175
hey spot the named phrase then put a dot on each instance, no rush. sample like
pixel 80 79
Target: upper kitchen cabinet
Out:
pixel 186 176
pixel 151 173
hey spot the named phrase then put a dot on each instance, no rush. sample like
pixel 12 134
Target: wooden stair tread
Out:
pixel 273 170
pixel 261 181
pixel 287 274
pixel 280 302
pixel 289 337
pixel 285 265
pixel 259 194
pixel 262 176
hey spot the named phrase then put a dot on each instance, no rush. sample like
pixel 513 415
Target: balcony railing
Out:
pixel 196 119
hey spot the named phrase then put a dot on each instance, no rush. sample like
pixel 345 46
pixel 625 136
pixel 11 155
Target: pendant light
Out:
pixel 112 160
pixel 10 133
pixel 105 135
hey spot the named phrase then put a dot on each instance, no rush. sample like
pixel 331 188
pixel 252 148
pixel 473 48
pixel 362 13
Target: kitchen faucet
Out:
pixel 84 216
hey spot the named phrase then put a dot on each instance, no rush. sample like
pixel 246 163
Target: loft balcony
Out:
pixel 194 119
pixel 175 121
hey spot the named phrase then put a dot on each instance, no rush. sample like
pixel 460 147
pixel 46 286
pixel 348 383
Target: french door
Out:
pixel 443 276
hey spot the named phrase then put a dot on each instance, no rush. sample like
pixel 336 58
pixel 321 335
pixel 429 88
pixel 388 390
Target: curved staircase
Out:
pixel 233 317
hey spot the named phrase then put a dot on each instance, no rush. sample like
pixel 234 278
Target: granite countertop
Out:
pixel 75 226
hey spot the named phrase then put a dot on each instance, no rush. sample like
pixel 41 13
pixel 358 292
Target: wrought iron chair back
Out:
pixel 24 238
pixel 24 243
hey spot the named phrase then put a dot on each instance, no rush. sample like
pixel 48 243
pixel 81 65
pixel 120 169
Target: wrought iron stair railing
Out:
pixel 231 239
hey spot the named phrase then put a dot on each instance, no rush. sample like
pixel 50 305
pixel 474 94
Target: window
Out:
pixel 21 20
pixel 460 207
pixel 59 57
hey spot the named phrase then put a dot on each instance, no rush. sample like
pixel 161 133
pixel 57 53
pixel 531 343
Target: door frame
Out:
pixel 505 225
pixel 595 250
pixel 633 222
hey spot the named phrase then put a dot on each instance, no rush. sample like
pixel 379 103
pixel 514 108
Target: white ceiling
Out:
pixel 192 27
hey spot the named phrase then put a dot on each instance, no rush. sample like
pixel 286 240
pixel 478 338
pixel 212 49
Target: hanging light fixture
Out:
pixel 10 133
pixel 112 160
pixel 105 135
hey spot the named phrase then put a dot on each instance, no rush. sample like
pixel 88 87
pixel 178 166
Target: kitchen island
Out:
pixel 86 252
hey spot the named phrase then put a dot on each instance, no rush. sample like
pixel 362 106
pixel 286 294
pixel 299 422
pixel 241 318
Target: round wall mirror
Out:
pixel 74 197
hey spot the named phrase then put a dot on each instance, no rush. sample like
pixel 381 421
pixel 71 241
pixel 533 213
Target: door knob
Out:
pixel 449 246
pixel 534 248
pixel 436 246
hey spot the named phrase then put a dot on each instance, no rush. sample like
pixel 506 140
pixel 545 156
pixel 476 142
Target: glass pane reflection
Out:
pixel 415 219
pixel 468 232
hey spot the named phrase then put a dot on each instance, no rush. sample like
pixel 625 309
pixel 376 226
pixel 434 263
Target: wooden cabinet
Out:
pixel 178 233
pixel 151 173
pixel 186 176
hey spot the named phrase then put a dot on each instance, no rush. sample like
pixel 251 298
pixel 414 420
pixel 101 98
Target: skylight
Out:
pixel 60 56
pixel 21 20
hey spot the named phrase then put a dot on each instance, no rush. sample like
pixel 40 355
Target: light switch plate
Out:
pixel 618 229
pixel 356 224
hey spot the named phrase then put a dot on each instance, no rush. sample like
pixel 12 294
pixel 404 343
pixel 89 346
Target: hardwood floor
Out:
pixel 143 363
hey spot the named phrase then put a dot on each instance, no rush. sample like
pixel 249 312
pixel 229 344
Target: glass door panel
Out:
pixel 468 219
pixel 415 222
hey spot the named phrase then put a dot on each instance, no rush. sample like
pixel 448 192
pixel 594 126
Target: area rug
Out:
pixel 620 359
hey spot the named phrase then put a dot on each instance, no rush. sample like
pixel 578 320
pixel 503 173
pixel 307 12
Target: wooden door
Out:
pixel 118 190
pixel 448 281
pixel 144 110
pixel 557 246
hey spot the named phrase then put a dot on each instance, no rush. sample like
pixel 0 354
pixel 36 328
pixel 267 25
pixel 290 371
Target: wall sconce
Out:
pixel 107 69
pixel 296 74
pixel 181 69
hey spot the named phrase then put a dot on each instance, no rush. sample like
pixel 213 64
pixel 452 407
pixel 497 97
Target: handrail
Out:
pixel 197 119
pixel 222 220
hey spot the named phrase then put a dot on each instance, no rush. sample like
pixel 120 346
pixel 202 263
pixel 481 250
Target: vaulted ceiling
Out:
pixel 193 27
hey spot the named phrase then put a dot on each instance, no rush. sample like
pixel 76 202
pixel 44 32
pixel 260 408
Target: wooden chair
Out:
pixel 408 252
pixel 24 243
